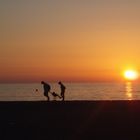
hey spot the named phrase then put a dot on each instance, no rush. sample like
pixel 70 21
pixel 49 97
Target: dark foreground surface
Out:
pixel 116 120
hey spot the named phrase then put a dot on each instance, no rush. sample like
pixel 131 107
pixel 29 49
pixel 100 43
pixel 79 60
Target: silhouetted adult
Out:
pixel 63 88
pixel 46 88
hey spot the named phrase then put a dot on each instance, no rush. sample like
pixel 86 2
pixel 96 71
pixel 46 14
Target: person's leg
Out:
pixel 62 96
pixel 48 97
pixel 59 96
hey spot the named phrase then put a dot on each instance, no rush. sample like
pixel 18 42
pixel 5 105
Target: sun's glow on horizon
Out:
pixel 131 75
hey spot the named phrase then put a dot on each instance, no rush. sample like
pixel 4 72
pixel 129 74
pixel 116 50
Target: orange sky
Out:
pixel 70 40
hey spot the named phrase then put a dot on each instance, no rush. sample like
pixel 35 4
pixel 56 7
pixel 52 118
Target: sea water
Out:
pixel 74 91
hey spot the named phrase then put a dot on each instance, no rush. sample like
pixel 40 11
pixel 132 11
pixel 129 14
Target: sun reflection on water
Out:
pixel 129 90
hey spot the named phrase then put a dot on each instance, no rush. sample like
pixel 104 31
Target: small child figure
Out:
pixel 55 95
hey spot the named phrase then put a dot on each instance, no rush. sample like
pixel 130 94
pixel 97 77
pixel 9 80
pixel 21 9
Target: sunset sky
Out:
pixel 69 40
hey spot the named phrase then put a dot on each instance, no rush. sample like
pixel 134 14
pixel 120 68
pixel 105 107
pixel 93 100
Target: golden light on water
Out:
pixel 131 75
pixel 129 90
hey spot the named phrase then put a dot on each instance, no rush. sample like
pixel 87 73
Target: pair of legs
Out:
pixel 46 95
pixel 63 96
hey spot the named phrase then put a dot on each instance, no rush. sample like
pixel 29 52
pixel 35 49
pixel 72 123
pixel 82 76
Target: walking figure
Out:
pixel 63 88
pixel 46 88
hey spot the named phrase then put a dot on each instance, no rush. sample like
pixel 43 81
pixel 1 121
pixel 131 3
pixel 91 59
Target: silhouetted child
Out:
pixel 46 88
pixel 55 95
pixel 63 88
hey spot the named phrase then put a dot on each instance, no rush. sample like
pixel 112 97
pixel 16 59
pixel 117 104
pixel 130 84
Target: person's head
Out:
pixel 42 82
pixel 59 83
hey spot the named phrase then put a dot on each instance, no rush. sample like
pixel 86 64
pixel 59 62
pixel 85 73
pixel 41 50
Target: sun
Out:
pixel 131 75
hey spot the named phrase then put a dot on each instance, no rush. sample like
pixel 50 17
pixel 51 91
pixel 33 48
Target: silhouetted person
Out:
pixel 63 88
pixel 47 88
pixel 55 95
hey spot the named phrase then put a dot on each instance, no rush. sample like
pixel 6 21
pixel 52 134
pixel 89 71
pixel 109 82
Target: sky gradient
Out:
pixel 69 40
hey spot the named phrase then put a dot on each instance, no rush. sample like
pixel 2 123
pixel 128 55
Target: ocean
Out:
pixel 74 91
